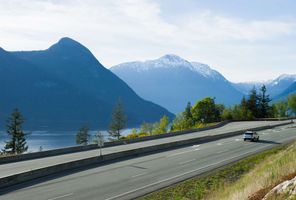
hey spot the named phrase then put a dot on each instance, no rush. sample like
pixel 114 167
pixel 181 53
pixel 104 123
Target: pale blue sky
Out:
pixel 245 40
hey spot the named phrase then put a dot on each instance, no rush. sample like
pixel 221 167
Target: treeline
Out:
pixel 206 112
pixel 258 105
pixel 203 113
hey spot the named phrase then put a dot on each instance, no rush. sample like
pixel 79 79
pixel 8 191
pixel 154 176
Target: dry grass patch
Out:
pixel 268 173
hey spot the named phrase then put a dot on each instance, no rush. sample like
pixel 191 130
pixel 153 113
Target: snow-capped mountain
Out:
pixel 172 81
pixel 171 61
pixel 206 71
pixel 274 87
pixel 290 90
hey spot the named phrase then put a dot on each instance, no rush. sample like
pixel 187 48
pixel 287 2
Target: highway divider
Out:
pixel 56 152
pixel 50 170
pixel 60 151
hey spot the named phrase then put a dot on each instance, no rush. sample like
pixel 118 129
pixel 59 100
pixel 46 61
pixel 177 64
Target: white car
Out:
pixel 251 135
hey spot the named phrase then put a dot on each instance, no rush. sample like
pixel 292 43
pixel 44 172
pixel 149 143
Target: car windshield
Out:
pixel 248 133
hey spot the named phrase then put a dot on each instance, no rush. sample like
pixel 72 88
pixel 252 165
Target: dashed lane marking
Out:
pixel 62 196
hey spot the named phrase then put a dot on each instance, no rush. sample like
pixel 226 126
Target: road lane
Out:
pixel 24 166
pixel 130 178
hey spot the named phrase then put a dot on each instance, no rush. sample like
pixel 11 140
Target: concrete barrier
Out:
pixel 56 152
pixel 50 170
pixel 41 154
pixel 164 135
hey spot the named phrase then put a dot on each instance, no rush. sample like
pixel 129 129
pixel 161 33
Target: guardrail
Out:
pixel 50 170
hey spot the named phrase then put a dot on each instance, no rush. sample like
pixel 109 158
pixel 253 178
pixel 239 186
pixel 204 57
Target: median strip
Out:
pixel 127 154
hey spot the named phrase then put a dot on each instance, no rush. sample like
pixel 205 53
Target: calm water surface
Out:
pixel 47 140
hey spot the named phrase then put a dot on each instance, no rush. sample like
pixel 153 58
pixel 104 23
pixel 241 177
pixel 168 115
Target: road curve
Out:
pixel 28 165
pixel 135 177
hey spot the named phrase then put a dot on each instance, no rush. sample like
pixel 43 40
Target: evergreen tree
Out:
pixel 252 103
pixel 17 143
pixel 118 121
pixel 264 108
pixel 244 108
pixel 82 137
pixel 189 122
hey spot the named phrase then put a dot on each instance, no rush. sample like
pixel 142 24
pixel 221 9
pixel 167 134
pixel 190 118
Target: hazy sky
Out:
pixel 245 40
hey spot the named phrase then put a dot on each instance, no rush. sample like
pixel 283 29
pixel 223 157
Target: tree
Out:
pixel 252 102
pixel 264 108
pixel 292 103
pixel 281 109
pixel 161 126
pixel 17 143
pixel 205 111
pixel 179 123
pixel 244 109
pixel 189 122
pixel 82 137
pixel 146 128
pixel 118 121
pixel 227 114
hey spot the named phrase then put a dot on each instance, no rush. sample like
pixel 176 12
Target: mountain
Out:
pixel 65 87
pixel 290 90
pixel 245 87
pixel 172 81
pixel 280 84
pixel 274 87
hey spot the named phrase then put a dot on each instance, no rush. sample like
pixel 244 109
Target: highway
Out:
pixel 134 177
pixel 23 166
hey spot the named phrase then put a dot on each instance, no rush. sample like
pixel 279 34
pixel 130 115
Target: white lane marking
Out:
pixel 223 151
pixel 185 162
pixel 63 196
pixel 219 144
pixel 137 175
pixel 180 175
pixel 180 153
pixel 195 146
pixel 238 139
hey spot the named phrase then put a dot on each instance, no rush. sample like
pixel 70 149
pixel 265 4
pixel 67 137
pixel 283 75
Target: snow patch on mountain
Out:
pixel 171 61
pixel 206 70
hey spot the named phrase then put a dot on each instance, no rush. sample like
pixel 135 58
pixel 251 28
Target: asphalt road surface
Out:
pixel 23 166
pixel 135 177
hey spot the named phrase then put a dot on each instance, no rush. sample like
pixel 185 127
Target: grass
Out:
pixel 2 154
pixel 250 178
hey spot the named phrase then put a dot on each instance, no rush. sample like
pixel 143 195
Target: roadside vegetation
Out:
pixel 207 112
pixel 250 178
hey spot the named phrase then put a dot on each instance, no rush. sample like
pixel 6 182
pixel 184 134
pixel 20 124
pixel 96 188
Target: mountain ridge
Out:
pixel 172 81
pixel 93 90
pixel 274 86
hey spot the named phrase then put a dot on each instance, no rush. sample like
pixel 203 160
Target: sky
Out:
pixel 245 40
